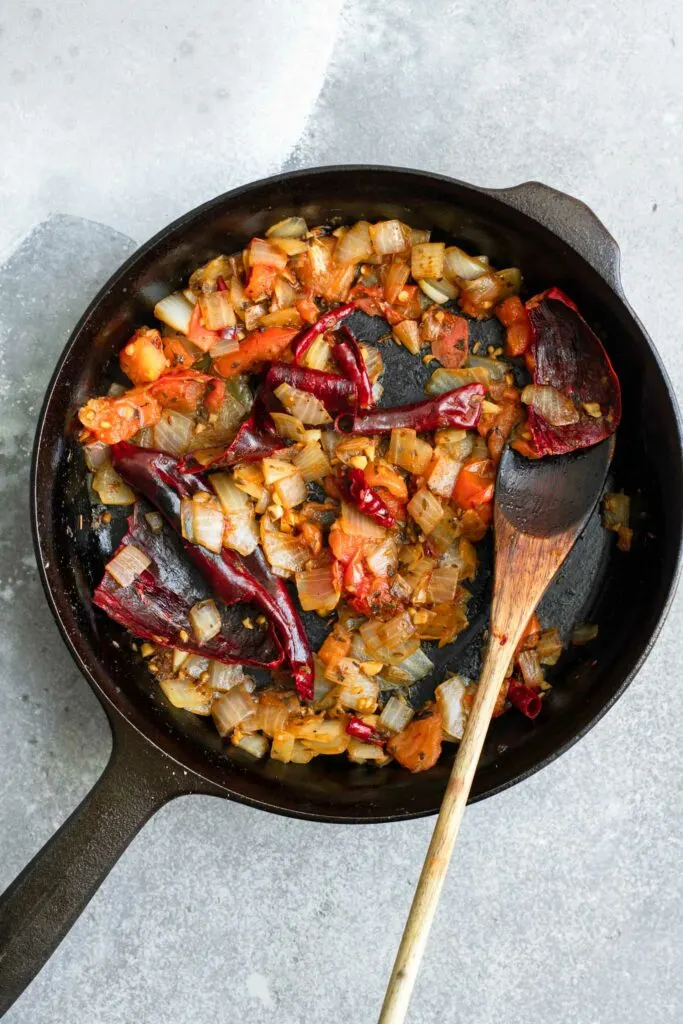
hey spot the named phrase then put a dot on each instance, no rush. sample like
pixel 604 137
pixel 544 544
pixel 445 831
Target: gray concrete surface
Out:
pixel 564 904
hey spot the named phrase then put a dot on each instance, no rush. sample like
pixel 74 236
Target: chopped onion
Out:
pixel 407 333
pixel 551 404
pixel 311 462
pixel 395 276
pixel 154 521
pixel 425 509
pixel 458 443
pixel 449 699
pixel 228 343
pixel 290 227
pixel 349 447
pixel 110 488
pixel 282 747
pixel 427 260
pixel 356 524
pixel 187 519
pixel 413 668
pixel 96 454
pixel 183 693
pixel 288 426
pixel 381 639
pixel 252 743
pixel 291 490
pixel 616 511
pixel 231 497
pixel 443 380
pixel 172 433
pixel 179 658
pixel 284 551
pixel 438 291
pixel 355 245
pixel 389 236
pixel 373 360
pixel 241 532
pixel 232 708
pixel 290 246
pixel 496 367
pixel 397 630
pixel 409 451
pixel 207 522
pixel 318 589
pixel 549 647
pixel 396 715
pixel 462 267
pixel 530 668
pixel 443 473
pixel 272 714
pixel 584 633
pixel 217 311
pixel 318 356
pixel 512 279
pixel 237 297
pixel 289 317
pixel 322 735
pixel 383 561
pixel 128 564
pixel 304 406
pixel 205 620
pixel 262 253
pixel 478 297
pixel 249 478
pixel 285 294
pixel 175 311
pixel 253 315
pixel 275 469
pixel 223 677
pixel 360 751
pixel 443 584
pixel 357 691
pixel 195 666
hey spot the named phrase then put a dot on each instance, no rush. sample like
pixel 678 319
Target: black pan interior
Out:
pixel 624 594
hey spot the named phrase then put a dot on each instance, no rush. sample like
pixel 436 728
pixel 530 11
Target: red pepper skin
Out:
pixel 350 360
pixel 567 354
pixel 303 341
pixel 252 442
pixel 362 731
pixel 337 394
pixel 158 478
pixel 221 286
pixel 354 488
pixel 524 699
pixel 458 408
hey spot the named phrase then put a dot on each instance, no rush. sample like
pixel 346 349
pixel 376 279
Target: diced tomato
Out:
pixel 178 354
pixel 214 395
pixel 418 747
pixel 369 298
pixel 354 573
pixel 143 359
pixel 382 475
pixel 260 282
pixel 200 335
pixel 450 347
pixel 335 646
pixel 344 546
pixel 475 484
pixel 396 506
pixel 513 315
pixel 506 420
pixel 373 598
pixel 307 309
pixel 180 391
pixel 510 309
pixel 257 347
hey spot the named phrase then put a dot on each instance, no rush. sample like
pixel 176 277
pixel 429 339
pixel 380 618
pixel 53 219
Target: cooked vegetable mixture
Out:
pixel 263 465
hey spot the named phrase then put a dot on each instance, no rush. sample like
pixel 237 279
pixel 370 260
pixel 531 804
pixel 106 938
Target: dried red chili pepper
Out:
pixel 524 699
pixel 231 577
pixel 354 489
pixel 303 341
pixel 567 355
pixel 337 394
pixel 252 442
pixel 458 408
pixel 349 357
pixel 221 286
pixel 362 731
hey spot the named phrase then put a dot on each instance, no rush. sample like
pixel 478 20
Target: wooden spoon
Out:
pixel 541 507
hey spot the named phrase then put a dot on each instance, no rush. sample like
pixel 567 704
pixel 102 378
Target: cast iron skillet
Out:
pixel 160 752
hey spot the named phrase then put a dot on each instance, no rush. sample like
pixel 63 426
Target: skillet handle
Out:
pixel 39 907
pixel 571 220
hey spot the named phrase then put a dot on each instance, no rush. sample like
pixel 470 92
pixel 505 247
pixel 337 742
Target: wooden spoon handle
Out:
pixel 425 901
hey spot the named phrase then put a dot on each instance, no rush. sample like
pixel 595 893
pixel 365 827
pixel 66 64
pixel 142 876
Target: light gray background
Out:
pixel 563 905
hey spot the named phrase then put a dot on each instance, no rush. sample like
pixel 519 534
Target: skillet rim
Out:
pixel 48 571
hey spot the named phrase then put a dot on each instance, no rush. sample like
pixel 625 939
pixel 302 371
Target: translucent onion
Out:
pixel 355 245
pixel 409 451
pixel 512 280
pixel 318 589
pixel 427 260
pixel 207 522
pixel 217 311
pixel 262 253
pixel 288 426
pixel 458 443
pixel 110 488
pixel 449 699
pixel 289 317
pixel 383 561
pixel 311 462
pixel 413 668
pixel 304 406
pixel 443 380
pixel 172 433
pixel 389 236
pixel 584 633
pixel 226 344
pixel 127 565
pixel 443 473
pixel 179 658
pixel 438 291
pixel 249 478
pixel 318 356
pixel 531 669
pixel 282 747
pixel 480 296
pixel 253 315
pixel 237 297
pixel 271 715
pixel 290 246
pixel 397 630
pixel 355 523
pixel 322 735
pixel 284 551
pixel 396 715
pixel 223 677
pixel 241 532
pixel 425 509
pixel 231 497
pixel 407 333
pixel 175 311
pixel 443 584
pixel 360 751
pixel 185 694
pixel 290 227
pixel 285 294
pixel 551 404
pixel 549 647
pixel 205 620
pixel 496 367
pixel 232 708
pixel 195 666
pixel 252 743
pixel 373 360
pixel 357 691
pixel 291 490
pixel 462 267
pixel 96 455
pixel 443 624
pixel 275 469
